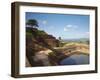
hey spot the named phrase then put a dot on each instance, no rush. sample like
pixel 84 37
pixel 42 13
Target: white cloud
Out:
pixel 44 22
pixel 66 29
pixel 70 27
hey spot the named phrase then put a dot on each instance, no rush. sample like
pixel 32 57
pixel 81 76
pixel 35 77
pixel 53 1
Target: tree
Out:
pixel 59 38
pixel 32 23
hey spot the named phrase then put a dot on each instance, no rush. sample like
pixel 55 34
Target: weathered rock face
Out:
pixel 51 41
pixel 36 41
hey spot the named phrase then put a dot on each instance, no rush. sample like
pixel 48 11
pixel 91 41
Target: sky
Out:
pixel 66 26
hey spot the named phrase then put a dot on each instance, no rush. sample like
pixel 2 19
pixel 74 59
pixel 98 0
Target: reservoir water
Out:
pixel 75 59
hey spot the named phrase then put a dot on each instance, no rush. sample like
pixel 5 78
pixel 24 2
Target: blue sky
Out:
pixel 66 26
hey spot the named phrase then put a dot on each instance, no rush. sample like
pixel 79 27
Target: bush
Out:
pixel 52 54
pixel 41 32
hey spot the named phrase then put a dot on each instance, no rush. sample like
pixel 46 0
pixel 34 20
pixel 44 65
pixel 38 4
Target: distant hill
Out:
pixel 80 40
